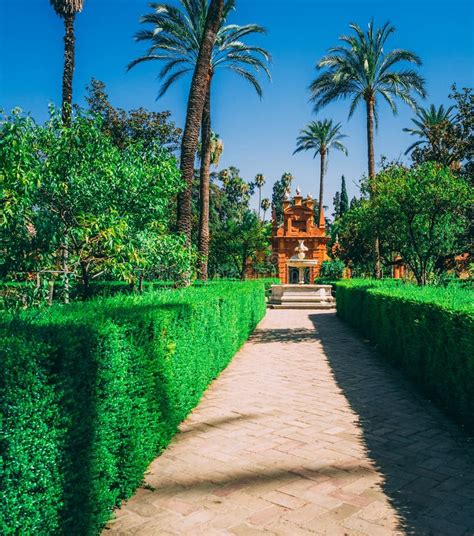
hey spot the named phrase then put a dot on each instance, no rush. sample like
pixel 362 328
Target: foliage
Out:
pixel 421 213
pixel 427 332
pixel 265 205
pixel 93 392
pixel 344 204
pixel 280 189
pixel 447 136
pixel 176 36
pixel 20 178
pixel 237 234
pixel 355 236
pixel 332 269
pixel 320 136
pixel 432 126
pixel 341 200
pixel 71 189
pixel 152 129
pixel 361 69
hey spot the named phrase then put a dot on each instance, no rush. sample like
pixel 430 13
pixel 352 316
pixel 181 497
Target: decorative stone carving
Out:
pixel 301 249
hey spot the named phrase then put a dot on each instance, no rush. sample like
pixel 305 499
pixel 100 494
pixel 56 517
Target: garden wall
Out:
pixel 92 392
pixel 428 333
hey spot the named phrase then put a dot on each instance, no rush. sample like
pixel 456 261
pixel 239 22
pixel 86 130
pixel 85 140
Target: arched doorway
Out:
pixel 294 275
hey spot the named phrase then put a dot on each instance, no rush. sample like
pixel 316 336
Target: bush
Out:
pixel 426 332
pixel 92 392
pixel 331 270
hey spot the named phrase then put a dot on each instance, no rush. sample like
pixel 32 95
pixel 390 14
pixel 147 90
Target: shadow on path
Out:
pixel 282 335
pixel 426 461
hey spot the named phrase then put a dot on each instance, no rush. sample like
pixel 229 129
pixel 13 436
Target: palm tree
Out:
pixel 67 10
pixel 320 137
pixel 265 204
pixel 259 182
pixel 286 179
pixel 175 38
pixel 361 70
pixel 209 158
pixel 428 121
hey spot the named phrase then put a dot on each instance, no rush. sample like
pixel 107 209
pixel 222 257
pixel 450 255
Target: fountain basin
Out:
pixel 301 297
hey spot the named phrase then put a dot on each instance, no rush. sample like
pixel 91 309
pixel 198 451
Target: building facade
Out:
pixel 298 224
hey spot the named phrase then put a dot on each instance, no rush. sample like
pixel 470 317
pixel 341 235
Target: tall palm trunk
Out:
pixel 321 180
pixel 259 200
pixel 204 184
pixel 68 74
pixel 372 183
pixel 370 140
pixel 196 101
pixel 68 71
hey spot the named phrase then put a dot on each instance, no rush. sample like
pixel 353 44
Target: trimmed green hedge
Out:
pixel 92 392
pixel 427 332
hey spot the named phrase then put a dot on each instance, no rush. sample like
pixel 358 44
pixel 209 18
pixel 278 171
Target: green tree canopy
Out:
pixel 73 188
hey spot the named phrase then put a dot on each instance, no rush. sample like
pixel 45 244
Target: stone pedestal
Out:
pixel 301 297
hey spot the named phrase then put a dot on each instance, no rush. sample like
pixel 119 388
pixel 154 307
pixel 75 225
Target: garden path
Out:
pixel 308 432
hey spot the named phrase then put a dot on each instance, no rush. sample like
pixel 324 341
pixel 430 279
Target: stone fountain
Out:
pixel 301 295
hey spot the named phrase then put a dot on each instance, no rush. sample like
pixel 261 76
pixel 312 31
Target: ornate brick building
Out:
pixel 298 224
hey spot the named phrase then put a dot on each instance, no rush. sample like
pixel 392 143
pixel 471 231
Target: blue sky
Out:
pixel 259 135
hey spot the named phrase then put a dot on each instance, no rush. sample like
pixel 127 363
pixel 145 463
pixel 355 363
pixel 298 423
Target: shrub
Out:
pixel 331 270
pixel 93 391
pixel 426 332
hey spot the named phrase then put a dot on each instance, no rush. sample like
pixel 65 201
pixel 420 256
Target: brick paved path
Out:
pixel 307 432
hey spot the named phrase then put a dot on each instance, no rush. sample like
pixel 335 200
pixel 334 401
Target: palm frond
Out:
pixel 176 35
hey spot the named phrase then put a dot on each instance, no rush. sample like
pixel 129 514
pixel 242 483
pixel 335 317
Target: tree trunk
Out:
pixel 85 281
pixel 65 263
pixel 68 71
pixel 196 100
pixel 50 291
pixel 204 184
pixel 259 200
pixel 321 181
pixel 243 269
pixel 370 102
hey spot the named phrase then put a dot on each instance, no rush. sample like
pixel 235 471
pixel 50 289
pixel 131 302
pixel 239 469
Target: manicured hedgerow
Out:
pixel 427 332
pixel 92 392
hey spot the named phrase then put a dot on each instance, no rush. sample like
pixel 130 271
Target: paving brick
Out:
pixel 307 432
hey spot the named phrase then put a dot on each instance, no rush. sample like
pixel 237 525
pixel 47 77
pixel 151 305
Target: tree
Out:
pixel 195 108
pixel 355 236
pixel 259 182
pixel 421 213
pixel 446 136
pixel 344 203
pixel 67 10
pixel 175 39
pixel 236 233
pixel 362 70
pixel 79 191
pixel 430 124
pixel 281 188
pixel 265 204
pixel 336 203
pixel 208 157
pixel 126 127
pixel 320 137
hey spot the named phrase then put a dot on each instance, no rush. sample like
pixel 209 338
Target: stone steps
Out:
pixel 302 305
pixel 301 297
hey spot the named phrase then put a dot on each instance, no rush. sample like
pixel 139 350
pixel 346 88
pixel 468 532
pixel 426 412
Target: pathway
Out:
pixel 307 432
